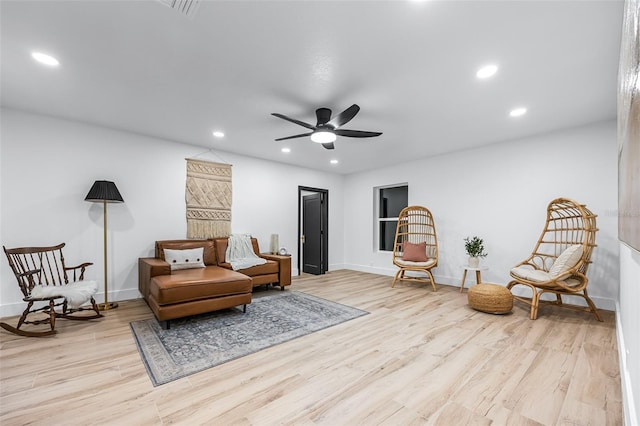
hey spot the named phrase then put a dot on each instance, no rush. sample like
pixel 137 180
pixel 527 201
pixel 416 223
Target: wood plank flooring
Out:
pixel 419 357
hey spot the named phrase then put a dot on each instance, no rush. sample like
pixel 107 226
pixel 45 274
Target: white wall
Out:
pixel 500 193
pixel 47 166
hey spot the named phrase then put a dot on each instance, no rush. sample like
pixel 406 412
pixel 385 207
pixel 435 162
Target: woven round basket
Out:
pixel 490 298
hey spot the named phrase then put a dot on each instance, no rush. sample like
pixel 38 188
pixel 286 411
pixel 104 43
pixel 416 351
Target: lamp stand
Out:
pixel 106 305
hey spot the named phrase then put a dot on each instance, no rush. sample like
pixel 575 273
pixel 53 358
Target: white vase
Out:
pixel 474 262
pixel 275 245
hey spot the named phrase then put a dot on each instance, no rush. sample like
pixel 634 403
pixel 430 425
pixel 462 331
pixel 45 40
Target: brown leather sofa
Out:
pixel 180 293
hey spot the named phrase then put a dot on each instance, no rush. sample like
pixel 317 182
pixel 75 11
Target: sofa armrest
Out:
pixel 284 267
pixel 149 267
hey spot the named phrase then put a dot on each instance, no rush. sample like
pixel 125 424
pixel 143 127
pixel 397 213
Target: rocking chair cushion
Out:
pixel 76 294
pixel 415 252
pixel 567 260
pixel 184 259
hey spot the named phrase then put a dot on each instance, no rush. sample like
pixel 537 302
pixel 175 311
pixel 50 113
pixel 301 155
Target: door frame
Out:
pixel 324 216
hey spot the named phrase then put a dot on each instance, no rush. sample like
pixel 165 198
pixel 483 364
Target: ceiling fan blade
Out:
pixel 356 133
pixel 293 120
pixel 328 145
pixel 295 136
pixel 344 117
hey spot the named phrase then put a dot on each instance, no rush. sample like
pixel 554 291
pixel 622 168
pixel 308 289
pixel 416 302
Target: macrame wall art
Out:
pixel 208 198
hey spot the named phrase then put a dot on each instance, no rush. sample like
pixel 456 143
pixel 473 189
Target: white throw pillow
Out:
pixel 567 260
pixel 184 259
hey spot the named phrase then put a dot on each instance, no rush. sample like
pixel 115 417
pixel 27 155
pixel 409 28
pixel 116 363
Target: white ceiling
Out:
pixel 143 67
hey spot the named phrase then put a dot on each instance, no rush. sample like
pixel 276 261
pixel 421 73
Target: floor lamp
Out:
pixel 105 192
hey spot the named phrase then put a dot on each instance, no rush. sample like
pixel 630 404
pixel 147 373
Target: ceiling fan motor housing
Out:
pixel 323 115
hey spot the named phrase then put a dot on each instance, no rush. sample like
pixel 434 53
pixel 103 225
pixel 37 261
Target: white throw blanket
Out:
pixel 240 252
pixel 77 293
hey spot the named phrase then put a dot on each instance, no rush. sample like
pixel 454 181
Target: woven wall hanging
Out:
pixel 208 198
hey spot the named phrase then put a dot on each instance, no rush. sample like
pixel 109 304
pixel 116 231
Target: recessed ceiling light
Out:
pixel 286 150
pixel 45 59
pixel 486 71
pixel 218 134
pixel 517 112
pixel 334 161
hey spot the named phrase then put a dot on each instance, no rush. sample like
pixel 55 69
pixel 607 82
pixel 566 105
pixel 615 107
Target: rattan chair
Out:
pixel 559 261
pixel 415 248
pixel 42 271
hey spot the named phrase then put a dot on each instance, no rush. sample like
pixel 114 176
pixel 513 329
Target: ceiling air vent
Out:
pixel 186 7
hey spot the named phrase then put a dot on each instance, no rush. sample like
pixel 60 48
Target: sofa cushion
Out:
pixel 221 249
pixel 271 267
pixel 194 284
pixel 184 259
pixel 207 245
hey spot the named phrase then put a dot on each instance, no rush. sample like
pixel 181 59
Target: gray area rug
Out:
pixel 196 343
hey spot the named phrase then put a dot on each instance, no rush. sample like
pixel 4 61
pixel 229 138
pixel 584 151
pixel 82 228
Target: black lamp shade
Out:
pixel 104 190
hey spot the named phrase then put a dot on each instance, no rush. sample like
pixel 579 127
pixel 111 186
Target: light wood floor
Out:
pixel 418 358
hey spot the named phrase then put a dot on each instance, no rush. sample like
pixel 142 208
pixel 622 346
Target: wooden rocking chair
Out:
pixel 561 257
pixel 44 266
pixel 416 247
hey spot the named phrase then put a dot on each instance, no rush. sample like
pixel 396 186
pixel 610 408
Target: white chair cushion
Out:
pixel 567 260
pixel 571 282
pixel 184 259
pixel 407 263
pixel 539 276
pixel 530 274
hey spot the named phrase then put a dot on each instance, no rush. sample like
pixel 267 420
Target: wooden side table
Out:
pixel 477 271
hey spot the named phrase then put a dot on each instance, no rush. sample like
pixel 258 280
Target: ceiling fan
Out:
pixel 326 130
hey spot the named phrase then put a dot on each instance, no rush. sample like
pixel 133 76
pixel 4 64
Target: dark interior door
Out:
pixel 312 249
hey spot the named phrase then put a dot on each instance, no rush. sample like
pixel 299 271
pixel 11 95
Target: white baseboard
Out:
pixel 12 309
pixel 600 302
pixel 15 309
pixel 629 408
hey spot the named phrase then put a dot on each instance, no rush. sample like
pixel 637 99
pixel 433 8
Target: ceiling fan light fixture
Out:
pixel 323 136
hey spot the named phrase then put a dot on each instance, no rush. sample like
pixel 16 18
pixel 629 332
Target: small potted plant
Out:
pixel 475 249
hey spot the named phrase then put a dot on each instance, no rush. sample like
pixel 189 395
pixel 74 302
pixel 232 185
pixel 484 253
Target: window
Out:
pixel 390 201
